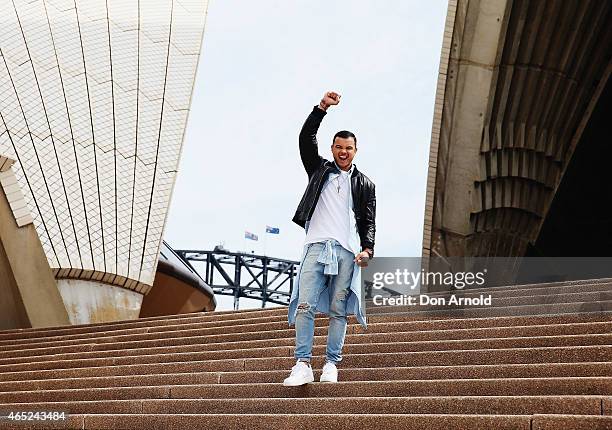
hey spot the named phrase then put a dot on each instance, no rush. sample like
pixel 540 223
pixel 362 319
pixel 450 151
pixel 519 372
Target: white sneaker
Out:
pixel 330 373
pixel 301 374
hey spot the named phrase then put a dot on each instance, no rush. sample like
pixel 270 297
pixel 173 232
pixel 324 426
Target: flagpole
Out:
pixel 265 240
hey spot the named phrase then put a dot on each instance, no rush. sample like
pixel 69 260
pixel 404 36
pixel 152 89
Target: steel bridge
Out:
pixel 244 275
pixel 250 276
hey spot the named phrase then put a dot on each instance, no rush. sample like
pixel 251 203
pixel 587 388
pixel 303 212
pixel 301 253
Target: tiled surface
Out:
pixel 94 98
pixel 12 191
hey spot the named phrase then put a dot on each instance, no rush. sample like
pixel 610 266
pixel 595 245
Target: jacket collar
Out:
pixel 353 169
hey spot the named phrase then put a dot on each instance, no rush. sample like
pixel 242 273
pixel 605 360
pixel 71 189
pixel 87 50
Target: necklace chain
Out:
pixel 339 184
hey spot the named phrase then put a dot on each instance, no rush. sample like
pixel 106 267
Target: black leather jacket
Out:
pixel 318 168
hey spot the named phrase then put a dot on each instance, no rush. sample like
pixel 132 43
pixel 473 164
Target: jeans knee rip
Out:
pixel 341 295
pixel 303 307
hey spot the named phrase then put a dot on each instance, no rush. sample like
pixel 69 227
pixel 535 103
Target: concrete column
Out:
pixel 477 39
pixel 29 296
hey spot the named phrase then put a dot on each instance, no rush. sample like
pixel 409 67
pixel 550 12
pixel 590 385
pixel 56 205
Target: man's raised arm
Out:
pixel 308 136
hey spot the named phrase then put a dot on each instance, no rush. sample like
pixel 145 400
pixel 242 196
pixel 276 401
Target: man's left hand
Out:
pixel 362 259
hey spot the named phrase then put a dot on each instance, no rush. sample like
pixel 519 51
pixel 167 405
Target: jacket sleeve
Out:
pixel 370 222
pixel 308 141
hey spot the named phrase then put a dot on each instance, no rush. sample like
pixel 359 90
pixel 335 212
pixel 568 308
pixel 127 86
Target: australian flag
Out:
pixel 249 235
pixel 273 230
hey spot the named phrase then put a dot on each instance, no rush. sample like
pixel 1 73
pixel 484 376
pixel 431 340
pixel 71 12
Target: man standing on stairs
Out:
pixel 338 211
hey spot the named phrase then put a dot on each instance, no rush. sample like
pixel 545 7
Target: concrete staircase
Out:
pixel 539 358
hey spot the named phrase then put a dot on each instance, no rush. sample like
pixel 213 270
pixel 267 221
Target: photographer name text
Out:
pixel 426 300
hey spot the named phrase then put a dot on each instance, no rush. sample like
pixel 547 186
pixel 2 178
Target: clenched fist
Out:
pixel 330 98
pixel 362 259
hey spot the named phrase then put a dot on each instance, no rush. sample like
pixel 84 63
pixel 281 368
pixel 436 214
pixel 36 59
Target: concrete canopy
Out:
pixel 518 82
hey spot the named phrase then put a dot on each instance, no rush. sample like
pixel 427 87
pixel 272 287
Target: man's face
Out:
pixel 344 150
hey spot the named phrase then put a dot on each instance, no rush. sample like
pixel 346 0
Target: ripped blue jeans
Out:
pixel 326 264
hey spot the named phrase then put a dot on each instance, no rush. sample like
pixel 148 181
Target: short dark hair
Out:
pixel 344 134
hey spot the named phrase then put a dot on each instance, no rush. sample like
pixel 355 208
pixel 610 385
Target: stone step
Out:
pixel 538 358
pixel 374 359
pixel 242 314
pixel 606 407
pixel 544 308
pixel 530 313
pixel 569 354
pixel 283 421
pixel 571 422
pixel 480 371
pixel 331 421
pixel 216 319
pixel 447 387
pixel 189 353
pixel 566 297
pixel 477 405
pixel 508 292
pixel 599 386
pixel 247 328
pixel 235 367
pixel 543 285
pixel 575 405
pixel 195 376
pixel 354 348
pixel 210 343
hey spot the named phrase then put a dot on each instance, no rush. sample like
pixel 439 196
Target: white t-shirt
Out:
pixel 331 218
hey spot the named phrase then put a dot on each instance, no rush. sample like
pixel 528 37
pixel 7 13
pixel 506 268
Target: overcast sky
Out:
pixel 263 66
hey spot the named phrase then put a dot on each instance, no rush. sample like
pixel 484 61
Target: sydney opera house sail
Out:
pixel 94 99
